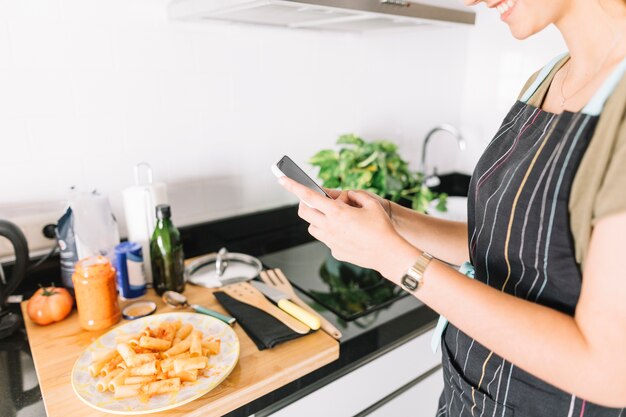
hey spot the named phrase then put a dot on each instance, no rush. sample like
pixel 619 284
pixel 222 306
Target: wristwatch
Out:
pixel 414 277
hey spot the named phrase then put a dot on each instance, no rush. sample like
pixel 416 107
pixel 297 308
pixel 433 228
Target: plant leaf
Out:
pixel 324 156
pixel 442 204
pixel 374 166
pixel 350 139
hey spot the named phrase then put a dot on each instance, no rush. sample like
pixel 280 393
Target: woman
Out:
pixel 541 330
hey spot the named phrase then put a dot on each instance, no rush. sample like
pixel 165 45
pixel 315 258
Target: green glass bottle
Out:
pixel 166 252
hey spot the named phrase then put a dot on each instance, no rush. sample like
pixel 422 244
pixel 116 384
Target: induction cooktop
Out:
pixel 347 290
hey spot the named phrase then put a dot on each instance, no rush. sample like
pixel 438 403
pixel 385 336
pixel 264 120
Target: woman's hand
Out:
pixel 356 228
pixel 342 195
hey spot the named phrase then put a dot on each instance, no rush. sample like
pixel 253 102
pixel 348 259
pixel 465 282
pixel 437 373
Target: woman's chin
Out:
pixel 520 32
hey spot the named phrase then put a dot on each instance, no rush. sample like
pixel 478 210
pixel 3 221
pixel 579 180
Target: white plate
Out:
pixel 221 366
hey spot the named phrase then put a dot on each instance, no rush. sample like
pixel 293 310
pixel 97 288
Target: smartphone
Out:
pixel 287 168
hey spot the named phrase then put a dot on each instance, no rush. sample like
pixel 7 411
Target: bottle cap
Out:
pixel 163 211
pixel 126 247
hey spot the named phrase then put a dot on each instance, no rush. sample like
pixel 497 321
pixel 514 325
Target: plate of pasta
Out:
pixel 155 363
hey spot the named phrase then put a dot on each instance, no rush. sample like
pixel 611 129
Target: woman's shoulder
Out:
pixel 536 87
pixel 528 83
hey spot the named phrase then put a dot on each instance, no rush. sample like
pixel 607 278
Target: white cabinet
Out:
pixel 365 386
pixel 419 400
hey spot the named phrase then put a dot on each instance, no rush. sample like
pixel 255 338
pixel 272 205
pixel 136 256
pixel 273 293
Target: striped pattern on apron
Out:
pixel 520 243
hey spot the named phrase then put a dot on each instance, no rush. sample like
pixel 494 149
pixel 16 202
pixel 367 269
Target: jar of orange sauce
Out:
pixel 96 293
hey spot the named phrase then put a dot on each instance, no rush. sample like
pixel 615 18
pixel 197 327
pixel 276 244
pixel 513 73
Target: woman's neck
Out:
pixel 595 34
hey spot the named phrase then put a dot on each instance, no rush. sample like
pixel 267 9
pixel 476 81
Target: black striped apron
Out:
pixel 520 243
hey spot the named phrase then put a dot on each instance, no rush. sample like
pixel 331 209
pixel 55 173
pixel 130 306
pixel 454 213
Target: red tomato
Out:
pixel 49 305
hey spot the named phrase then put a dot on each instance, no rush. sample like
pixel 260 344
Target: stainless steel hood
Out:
pixel 345 15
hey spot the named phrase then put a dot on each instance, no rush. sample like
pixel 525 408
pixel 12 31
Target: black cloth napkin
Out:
pixel 265 330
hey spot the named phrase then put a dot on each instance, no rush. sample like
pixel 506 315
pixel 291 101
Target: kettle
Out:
pixel 20 247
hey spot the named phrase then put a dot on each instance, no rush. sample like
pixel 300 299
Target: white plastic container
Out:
pixel 140 201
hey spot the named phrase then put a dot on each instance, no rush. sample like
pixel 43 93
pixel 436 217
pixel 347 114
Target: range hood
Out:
pixel 344 15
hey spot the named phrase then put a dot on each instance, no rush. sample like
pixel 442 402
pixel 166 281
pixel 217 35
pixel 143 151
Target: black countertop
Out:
pixel 363 339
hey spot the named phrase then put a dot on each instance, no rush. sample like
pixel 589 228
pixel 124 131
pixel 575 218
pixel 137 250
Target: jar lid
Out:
pixel 94 267
pixel 139 309
pixel 221 269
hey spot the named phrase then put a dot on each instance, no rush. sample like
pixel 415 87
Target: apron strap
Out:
pixel 543 74
pixel 595 105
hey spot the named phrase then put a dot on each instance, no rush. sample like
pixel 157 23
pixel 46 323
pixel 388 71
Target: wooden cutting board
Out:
pixel 56 347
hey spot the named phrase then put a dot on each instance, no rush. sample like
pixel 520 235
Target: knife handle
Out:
pixel 226 319
pixel 299 313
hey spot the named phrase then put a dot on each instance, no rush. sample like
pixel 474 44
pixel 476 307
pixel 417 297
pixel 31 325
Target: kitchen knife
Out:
pixel 283 302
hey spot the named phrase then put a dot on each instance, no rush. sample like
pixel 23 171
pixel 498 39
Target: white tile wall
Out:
pixel 5 48
pixel 88 88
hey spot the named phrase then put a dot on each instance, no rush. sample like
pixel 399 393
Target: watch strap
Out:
pixel 414 277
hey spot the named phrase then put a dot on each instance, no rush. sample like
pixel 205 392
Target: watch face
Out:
pixel 409 283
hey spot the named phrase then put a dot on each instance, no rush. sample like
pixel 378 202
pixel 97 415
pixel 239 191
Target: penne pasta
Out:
pixel 168 364
pixel 184 331
pixel 99 356
pixel 153 343
pixel 100 362
pixel 127 338
pixel 212 346
pixel 185 376
pixel 126 352
pixel 117 380
pixel 103 383
pixel 195 346
pixel 141 358
pixel 126 391
pixel 182 346
pixel 199 362
pixel 162 387
pixel 131 380
pixel 166 330
pixel 111 365
pixel 149 368
pixel 157 360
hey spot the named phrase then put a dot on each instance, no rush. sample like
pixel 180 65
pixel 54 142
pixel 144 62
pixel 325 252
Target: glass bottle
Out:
pixel 166 252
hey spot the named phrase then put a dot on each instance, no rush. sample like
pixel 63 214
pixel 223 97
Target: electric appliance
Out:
pixel 342 15
pixel 9 322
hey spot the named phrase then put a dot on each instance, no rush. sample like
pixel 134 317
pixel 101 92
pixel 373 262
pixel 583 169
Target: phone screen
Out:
pixel 293 171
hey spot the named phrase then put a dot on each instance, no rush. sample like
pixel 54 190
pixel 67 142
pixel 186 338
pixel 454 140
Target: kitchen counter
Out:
pixel 391 327
pixel 364 339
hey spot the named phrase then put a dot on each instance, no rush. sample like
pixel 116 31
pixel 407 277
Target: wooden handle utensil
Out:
pixel 277 279
pixel 246 293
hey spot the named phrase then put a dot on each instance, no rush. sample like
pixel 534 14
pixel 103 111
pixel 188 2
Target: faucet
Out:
pixel 441 128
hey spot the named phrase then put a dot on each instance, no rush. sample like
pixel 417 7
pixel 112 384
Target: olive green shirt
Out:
pixel 599 188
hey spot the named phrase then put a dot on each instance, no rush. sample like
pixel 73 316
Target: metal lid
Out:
pixel 221 269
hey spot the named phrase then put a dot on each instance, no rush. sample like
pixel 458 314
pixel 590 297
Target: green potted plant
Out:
pixel 377 167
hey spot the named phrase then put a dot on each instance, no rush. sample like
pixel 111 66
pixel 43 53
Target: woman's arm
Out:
pixel 583 355
pixel 444 239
